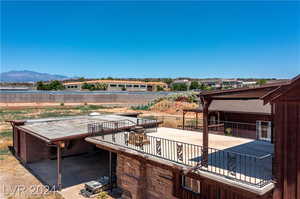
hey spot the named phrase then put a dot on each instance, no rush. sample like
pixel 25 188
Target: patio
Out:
pixel 244 160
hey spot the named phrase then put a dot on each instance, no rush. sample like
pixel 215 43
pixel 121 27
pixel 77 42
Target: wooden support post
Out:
pixel 183 119
pixel 59 185
pixel 205 105
pixel 110 171
pixel 196 120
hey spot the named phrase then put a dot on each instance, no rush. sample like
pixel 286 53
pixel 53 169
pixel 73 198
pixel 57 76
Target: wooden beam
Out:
pixel 196 120
pixel 205 104
pixel 59 184
pixel 110 171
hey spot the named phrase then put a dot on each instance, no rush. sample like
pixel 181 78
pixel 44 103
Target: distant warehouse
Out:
pixel 116 85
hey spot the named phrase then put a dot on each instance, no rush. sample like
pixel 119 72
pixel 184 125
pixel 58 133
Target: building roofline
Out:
pixel 117 82
pixel 277 93
pixel 235 90
pixel 241 93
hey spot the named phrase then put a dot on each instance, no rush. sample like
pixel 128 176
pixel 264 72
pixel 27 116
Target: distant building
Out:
pixel 213 83
pixel 119 85
pixel 222 83
pixel 231 83
pixel 249 84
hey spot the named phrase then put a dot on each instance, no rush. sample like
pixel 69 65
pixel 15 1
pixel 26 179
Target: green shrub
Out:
pixel 94 87
pixel 4 151
pixel 102 195
pixel 228 131
pixel 142 107
pixel 4 134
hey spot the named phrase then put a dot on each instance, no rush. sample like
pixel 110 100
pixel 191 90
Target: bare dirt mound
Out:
pixel 172 107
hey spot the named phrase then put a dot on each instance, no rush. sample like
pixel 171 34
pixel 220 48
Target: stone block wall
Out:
pixel 141 180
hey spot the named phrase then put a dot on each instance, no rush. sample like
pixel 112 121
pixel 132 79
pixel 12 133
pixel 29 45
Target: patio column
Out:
pixel 59 146
pixel 205 105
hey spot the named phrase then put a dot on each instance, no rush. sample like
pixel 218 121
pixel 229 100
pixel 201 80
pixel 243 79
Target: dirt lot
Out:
pixel 17 182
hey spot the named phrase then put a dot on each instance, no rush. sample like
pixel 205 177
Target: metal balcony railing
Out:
pixel 99 128
pixel 259 131
pixel 244 168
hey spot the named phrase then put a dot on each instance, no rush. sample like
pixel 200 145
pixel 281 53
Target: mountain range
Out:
pixel 28 76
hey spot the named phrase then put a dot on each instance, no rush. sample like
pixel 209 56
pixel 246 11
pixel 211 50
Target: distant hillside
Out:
pixel 28 76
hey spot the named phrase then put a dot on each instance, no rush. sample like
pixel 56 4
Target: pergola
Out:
pixel 207 97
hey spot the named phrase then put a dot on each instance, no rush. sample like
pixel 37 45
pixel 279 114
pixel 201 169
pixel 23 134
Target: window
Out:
pixel 113 85
pixel 191 184
pixel 129 86
pixel 136 86
pixel 143 86
pixel 121 85
pixel 264 130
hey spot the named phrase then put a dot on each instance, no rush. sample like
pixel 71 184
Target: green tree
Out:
pixel 159 88
pixel 40 86
pixel 194 85
pixel 167 81
pixel 87 86
pixel 179 87
pixel 205 87
pixel 54 85
pixel 261 82
pixel 81 79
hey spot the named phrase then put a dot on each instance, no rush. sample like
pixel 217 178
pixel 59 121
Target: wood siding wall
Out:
pixel 245 131
pixel 287 150
pixel 244 117
pixel 32 149
pixel 210 189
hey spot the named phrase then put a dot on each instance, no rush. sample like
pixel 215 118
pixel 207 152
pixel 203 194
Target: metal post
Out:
pixel 110 171
pixel 59 185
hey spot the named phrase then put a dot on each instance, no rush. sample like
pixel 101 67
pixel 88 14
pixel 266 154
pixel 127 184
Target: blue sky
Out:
pixel 152 39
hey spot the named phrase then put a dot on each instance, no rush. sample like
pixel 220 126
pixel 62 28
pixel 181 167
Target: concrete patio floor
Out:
pixel 75 169
pixel 245 160
pixel 220 142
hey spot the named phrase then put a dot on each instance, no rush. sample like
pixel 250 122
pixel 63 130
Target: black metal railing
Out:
pixel 244 168
pixel 228 128
pixel 121 125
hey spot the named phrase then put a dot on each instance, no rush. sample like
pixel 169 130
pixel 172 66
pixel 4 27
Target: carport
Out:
pixel 53 147
pixel 76 169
